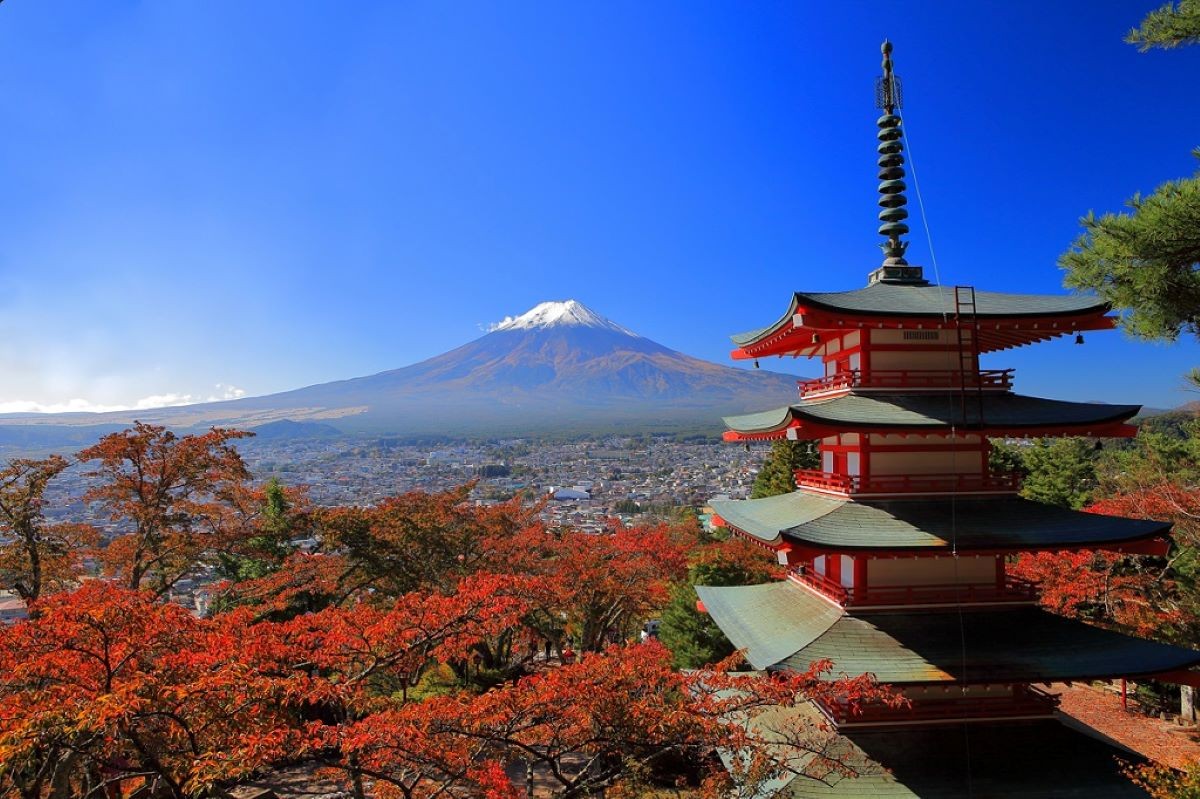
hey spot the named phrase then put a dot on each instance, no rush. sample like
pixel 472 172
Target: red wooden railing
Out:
pixel 822 585
pixel 850 485
pixel 826 481
pixel 1012 590
pixel 989 379
pixel 1026 701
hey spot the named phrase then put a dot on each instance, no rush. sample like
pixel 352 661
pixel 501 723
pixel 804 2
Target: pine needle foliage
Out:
pixel 1172 25
pixel 777 475
pixel 1147 262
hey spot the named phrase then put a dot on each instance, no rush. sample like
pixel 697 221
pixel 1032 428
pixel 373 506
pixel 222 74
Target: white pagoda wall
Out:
pixel 937 356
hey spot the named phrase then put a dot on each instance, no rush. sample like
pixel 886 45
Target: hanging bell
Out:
pixel 816 339
pixel 756 363
pixel 1078 338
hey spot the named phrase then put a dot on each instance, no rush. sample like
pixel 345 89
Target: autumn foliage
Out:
pixel 1138 593
pixel 181 498
pixel 108 686
pixel 36 557
pixel 328 655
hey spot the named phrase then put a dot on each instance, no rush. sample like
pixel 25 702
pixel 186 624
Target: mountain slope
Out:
pixel 559 365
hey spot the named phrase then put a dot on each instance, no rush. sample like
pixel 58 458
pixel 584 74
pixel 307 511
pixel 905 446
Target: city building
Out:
pixel 897 546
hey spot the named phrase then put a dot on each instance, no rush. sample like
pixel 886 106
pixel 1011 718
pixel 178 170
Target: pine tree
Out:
pixel 1146 262
pixel 693 637
pixel 1060 471
pixel 777 474
pixel 1169 26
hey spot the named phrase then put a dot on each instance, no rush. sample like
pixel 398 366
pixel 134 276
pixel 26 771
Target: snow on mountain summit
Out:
pixel 558 314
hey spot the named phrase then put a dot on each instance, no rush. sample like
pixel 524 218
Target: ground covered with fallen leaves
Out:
pixel 1161 741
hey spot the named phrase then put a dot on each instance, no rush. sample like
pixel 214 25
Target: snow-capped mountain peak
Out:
pixel 558 314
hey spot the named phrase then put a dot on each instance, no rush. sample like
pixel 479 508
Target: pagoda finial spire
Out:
pixel 888 97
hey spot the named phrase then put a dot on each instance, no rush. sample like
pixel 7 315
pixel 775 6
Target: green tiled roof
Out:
pixel 929 646
pixel 770 517
pixel 1043 759
pixel 771 621
pixel 928 301
pixel 854 411
pixel 993 523
pixel 1023 644
pixel 760 422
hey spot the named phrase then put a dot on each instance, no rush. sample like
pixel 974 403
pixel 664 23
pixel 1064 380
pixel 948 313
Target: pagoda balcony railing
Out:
pixel 899 484
pixel 1026 702
pixel 1012 590
pixel 907 379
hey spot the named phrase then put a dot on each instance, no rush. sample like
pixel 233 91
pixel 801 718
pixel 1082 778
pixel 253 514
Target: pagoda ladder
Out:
pixel 967 327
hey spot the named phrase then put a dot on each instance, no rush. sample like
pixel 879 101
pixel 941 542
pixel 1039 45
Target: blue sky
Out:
pixel 201 199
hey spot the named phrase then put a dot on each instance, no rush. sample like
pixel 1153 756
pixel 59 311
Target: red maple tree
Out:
pixel 1139 593
pixel 108 688
pixel 36 557
pixel 106 685
pixel 176 497
pixel 618 716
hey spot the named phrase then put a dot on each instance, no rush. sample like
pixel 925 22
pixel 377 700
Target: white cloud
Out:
pixel 227 392
pixel 77 405
pixel 163 401
pixel 491 327
pixel 80 405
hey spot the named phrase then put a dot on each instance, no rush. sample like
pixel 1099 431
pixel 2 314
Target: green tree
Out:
pixel 1158 453
pixel 777 474
pixel 1169 26
pixel 1059 471
pixel 693 637
pixel 627 506
pixel 278 523
pixel 1147 262
pixel 1007 458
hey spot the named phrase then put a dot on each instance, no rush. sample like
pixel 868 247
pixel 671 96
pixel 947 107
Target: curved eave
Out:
pixel 769 622
pixel 928 647
pixel 750 337
pixel 985 646
pixel 796 340
pixel 1006 320
pixel 818 524
pixel 1002 415
pixel 935 302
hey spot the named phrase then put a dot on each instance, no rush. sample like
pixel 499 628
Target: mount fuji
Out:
pixel 559 366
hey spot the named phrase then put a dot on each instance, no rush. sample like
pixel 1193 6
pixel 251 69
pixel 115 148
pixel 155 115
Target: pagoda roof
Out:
pixel 994 523
pixel 935 302
pixel 1001 411
pixel 1040 759
pixel 926 646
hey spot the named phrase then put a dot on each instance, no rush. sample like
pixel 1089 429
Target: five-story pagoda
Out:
pixel 897 546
